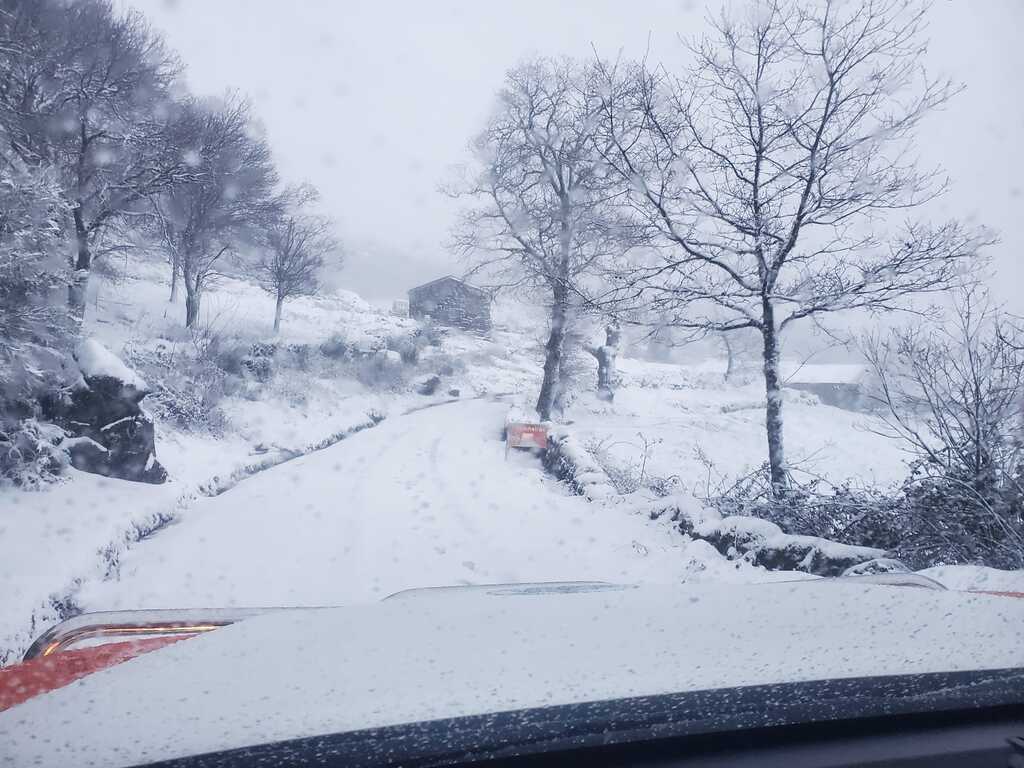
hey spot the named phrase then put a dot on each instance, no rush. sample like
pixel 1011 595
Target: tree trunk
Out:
pixel 553 354
pixel 773 395
pixel 277 314
pixel 175 270
pixel 730 356
pixel 83 259
pixel 606 356
pixel 83 263
pixel 559 316
pixel 192 293
pixel 564 385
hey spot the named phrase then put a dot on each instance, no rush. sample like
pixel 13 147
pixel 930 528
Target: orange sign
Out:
pixel 527 435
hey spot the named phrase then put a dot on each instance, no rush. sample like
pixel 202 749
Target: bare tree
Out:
pixel 952 394
pixel 296 247
pixel 228 200
pixel 31 267
pixel 88 93
pixel 772 167
pixel 547 218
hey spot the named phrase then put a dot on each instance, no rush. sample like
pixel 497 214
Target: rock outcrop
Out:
pixel 111 434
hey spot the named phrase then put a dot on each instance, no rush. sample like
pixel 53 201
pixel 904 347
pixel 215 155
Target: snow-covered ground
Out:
pixel 427 497
pixel 424 499
pixel 55 540
pixel 704 432
pixel 134 307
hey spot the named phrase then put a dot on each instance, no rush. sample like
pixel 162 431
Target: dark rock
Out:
pixel 453 392
pixel 87 455
pixel 130 443
pixel 116 437
pixel 430 386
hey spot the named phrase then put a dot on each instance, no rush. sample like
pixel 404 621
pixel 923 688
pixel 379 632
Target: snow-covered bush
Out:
pixel 259 363
pixel 290 385
pixel 188 407
pixel 812 508
pixel 407 347
pixel 185 389
pixel 384 372
pixel 571 463
pixel 230 358
pixel 630 474
pixel 411 344
pixel 928 521
pixel 299 357
pixel 952 394
pixel 954 520
pixel 763 543
pixel 760 542
pixel 30 454
pixel 336 347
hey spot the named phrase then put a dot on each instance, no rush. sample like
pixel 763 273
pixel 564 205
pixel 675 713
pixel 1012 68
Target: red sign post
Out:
pixel 524 435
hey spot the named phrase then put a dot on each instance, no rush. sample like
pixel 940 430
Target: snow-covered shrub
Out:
pixel 407 347
pixel 763 543
pixel 571 463
pixel 629 475
pixel 186 389
pixel 928 521
pixel 432 334
pixel 230 358
pixel 259 367
pixel 290 385
pixel 188 407
pixel 759 542
pixel 844 513
pixel 30 454
pixel 299 357
pixel 383 372
pixel 336 347
pixel 952 393
pixel 956 520
pixel 442 365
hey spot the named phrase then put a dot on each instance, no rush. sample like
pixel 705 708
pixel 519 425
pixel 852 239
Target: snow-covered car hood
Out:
pixel 318 671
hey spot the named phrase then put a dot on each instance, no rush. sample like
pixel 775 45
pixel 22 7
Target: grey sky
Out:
pixel 372 101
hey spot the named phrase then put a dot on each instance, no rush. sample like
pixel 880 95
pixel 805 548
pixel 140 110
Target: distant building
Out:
pixel 450 301
pixel 400 308
pixel 841 385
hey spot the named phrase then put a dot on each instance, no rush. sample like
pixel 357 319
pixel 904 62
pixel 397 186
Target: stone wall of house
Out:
pixel 451 302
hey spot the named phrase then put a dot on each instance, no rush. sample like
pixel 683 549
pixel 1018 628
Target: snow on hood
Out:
pixel 94 359
pixel 320 671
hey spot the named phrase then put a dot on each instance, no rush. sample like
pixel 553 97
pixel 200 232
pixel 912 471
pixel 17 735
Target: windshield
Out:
pixel 547 321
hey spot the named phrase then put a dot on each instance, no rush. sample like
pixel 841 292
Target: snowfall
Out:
pixel 344 495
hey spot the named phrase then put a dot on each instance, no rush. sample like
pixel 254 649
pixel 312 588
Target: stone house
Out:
pixel 454 302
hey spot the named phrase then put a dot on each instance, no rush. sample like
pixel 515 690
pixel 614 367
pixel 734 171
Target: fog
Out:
pixel 374 102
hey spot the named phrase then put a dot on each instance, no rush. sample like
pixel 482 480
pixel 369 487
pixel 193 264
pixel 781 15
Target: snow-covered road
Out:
pixel 423 499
